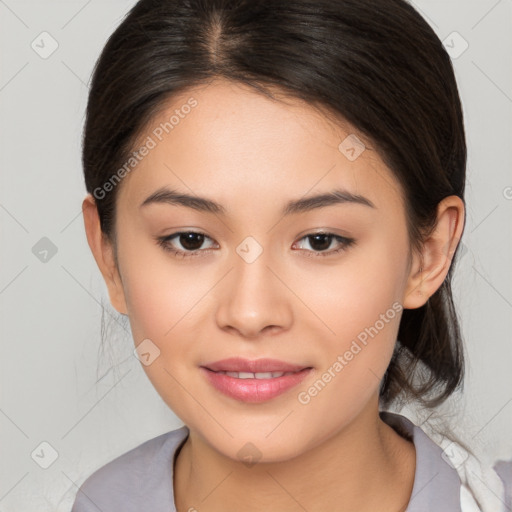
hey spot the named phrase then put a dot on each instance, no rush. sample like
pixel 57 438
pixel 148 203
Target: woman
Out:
pixel 275 200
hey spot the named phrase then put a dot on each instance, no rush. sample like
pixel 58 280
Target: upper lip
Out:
pixel 238 364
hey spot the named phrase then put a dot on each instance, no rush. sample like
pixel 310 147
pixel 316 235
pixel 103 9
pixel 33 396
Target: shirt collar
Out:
pixel 436 482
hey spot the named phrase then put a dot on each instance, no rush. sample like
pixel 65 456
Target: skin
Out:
pixel 252 155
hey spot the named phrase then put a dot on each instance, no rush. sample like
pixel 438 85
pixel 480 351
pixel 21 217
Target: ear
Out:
pixel 429 269
pixel 103 252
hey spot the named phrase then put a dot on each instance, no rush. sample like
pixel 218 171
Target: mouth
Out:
pixel 256 366
pixel 257 375
pixel 254 381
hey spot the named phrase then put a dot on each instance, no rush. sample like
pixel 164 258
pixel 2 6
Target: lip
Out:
pixel 239 364
pixel 253 390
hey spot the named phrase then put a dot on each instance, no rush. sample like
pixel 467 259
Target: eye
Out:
pixel 189 240
pixel 322 241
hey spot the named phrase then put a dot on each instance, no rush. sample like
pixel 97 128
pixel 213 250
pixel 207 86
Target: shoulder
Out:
pixel 504 470
pixel 447 473
pixel 138 479
pixel 436 482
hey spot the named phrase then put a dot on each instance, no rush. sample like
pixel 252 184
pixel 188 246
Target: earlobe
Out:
pixel 430 268
pixel 103 253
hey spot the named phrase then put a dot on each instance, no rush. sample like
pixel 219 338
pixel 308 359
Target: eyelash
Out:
pixel 164 242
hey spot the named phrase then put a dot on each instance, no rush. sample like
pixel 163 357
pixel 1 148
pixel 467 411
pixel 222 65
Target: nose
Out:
pixel 254 299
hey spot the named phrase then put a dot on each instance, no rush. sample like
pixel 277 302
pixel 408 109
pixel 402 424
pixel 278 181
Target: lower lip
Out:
pixel 254 390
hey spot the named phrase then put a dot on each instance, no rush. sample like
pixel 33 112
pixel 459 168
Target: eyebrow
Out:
pixel 305 204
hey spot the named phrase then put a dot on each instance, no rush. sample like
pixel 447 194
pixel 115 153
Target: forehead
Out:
pixel 225 140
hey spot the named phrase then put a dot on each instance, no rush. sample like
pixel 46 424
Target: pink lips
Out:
pixel 253 390
pixel 238 364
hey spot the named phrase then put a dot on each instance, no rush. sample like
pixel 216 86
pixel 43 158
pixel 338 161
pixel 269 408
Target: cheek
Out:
pixel 163 306
pixel 352 296
pixel 360 306
pixel 159 290
pixel 161 302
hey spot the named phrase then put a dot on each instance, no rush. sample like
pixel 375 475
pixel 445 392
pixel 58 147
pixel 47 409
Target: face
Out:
pixel 250 280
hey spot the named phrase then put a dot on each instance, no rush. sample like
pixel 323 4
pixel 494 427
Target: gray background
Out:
pixel 90 406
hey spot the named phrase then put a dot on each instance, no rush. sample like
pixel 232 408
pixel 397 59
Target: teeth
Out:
pixel 258 375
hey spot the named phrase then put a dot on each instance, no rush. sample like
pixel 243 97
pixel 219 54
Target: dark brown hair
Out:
pixel 375 63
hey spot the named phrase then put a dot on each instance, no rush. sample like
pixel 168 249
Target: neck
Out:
pixel 366 466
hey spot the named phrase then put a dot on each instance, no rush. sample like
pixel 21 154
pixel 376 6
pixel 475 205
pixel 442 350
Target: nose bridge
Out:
pixel 253 297
pixel 252 262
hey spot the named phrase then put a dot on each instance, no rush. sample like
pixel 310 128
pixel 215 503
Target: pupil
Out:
pixel 326 238
pixel 187 240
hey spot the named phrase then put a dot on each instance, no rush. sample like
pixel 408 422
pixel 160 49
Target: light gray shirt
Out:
pixel 141 480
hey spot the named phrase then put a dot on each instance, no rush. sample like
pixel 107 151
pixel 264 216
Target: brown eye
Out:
pixel 320 242
pixel 191 241
pixel 184 243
